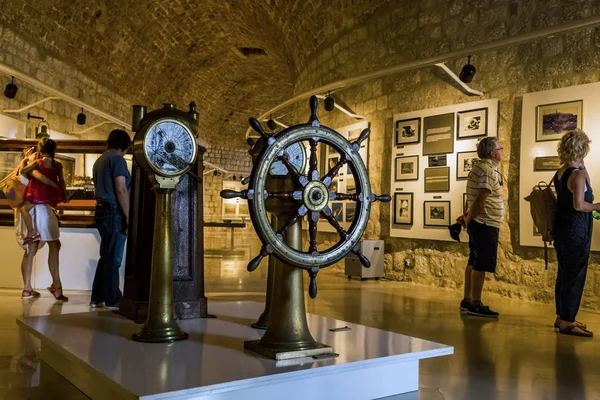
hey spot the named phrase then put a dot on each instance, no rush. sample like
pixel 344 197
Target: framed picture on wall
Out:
pixel 553 120
pixel 403 208
pixel 438 134
pixel 546 163
pixel 437 213
pixel 408 131
pixel 465 160
pixel 406 168
pixel 472 123
pixel 437 179
pixel 440 160
pixel 337 209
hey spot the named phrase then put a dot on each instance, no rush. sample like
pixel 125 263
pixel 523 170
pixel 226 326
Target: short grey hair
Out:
pixel 486 146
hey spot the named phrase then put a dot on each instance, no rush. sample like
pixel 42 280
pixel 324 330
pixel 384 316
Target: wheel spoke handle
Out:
pixel 255 124
pixel 255 262
pixel 363 136
pixel 384 198
pixel 361 257
pixel 232 194
pixel 314 103
pixel 312 286
pixel 288 225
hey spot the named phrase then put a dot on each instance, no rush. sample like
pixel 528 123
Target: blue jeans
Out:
pixel 112 244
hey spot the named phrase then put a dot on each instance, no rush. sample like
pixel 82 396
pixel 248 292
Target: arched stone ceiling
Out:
pixel 177 50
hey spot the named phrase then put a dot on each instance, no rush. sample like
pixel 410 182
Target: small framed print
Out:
pixel 337 209
pixel 406 168
pixel 403 208
pixel 441 160
pixel 546 163
pixel 472 123
pixel 437 213
pixel 408 131
pixel 437 179
pixel 465 161
pixel 553 120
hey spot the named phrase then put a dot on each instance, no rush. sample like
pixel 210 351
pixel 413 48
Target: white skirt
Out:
pixel 44 221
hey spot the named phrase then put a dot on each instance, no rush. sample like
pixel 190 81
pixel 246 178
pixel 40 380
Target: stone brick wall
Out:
pixel 417 30
pixel 25 56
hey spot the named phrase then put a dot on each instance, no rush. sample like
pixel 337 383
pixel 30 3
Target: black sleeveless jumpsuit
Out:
pixel 573 239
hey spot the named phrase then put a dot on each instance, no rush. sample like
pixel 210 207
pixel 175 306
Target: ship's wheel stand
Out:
pixel 290 198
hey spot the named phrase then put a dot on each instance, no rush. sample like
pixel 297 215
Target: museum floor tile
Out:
pixel 520 356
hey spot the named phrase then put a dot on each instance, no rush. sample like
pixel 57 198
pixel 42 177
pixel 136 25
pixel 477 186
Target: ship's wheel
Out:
pixel 312 196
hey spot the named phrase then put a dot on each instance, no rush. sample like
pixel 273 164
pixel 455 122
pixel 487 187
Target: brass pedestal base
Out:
pixel 168 335
pixel 281 354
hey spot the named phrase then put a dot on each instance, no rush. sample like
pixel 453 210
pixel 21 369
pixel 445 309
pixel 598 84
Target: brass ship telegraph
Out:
pixel 165 148
pixel 278 185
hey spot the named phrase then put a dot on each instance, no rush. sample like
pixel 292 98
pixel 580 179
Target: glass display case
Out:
pixel 77 158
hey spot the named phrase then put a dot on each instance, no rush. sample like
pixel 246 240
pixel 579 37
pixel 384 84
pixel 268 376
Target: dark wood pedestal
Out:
pixel 188 245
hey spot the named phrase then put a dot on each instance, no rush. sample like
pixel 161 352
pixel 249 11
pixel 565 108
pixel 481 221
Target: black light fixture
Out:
pixel 250 141
pixel 41 131
pixel 234 177
pixel 468 72
pixel 11 89
pixel 329 102
pixel 271 124
pixel 81 118
pixel 216 173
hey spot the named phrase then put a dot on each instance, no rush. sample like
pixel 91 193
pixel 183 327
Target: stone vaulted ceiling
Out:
pixel 177 50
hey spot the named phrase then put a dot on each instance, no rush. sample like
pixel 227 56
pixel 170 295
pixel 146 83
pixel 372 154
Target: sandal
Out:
pixel 576 330
pixel 576 323
pixel 60 297
pixel 32 238
pixel 29 294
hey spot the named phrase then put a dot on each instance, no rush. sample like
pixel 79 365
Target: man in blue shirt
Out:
pixel 111 182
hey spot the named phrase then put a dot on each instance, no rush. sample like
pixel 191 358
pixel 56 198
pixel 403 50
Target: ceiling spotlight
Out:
pixel 11 89
pixel 468 72
pixel 329 102
pixel 81 118
pixel 271 124
pixel 216 173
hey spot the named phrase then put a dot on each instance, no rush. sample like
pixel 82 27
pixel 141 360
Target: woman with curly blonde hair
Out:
pixel 573 232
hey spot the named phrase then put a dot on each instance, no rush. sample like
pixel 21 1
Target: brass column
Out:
pixel 263 320
pixel 160 326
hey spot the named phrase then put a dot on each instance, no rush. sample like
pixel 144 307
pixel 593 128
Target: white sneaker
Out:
pixel 93 304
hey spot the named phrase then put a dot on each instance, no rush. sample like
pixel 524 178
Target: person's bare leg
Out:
pixel 477 280
pixel 27 265
pixel 53 251
pixel 24 210
pixel 467 291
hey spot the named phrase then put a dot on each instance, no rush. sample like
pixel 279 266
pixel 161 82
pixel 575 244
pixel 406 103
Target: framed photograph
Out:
pixel 546 163
pixel 465 161
pixel 553 120
pixel 350 211
pixel 465 203
pixel 437 179
pixel 403 208
pixel 472 123
pixel 337 210
pixel 437 213
pixel 438 134
pixel 440 160
pixel 408 131
pixel 406 168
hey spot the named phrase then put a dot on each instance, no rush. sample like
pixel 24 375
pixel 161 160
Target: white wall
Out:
pixel 78 258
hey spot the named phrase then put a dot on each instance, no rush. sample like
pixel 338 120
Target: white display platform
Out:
pixel 94 352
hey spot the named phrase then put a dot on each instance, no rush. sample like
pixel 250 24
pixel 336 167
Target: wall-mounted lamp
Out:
pixel 81 118
pixel 468 72
pixel 11 89
pixel 271 124
pixel 329 102
pixel 234 177
pixel 41 131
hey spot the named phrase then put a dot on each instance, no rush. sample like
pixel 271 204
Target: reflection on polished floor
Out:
pixel 519 356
